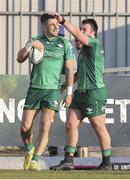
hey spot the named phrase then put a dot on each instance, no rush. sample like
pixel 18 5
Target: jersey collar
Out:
pixel 55 38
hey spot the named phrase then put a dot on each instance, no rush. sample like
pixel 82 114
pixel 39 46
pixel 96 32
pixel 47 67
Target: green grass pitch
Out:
pixel 78 174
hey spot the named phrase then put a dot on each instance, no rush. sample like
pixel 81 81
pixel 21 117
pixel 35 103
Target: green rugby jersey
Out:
pixel 47 74
pixel 90 66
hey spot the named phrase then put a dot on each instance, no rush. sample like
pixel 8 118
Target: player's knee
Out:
pixel 70 126
pixel 24 128
pixel 99 126
pixel 25 132
pixel 45 127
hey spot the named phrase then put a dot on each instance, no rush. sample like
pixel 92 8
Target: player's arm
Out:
pixel 75 77
pixel 74 30
pixel 64 86
pixel 23 53
pixel 69 68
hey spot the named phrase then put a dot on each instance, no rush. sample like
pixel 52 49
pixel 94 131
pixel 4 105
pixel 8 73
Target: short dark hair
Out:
pixel 93 24
pixel 45 17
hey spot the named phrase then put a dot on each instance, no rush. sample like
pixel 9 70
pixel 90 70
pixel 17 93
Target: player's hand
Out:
pixel 38 45
pixel 57 15
pixel 67 101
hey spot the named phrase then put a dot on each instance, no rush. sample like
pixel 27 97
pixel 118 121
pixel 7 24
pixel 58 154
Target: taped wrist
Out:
pixel 63 21
pixel 28 45
pixel 69 90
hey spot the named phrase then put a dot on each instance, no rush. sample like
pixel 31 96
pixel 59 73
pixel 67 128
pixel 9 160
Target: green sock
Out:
pixel 28 146
pixel 35 157
pixel 106 152
pixel 69 153
pixel 70 149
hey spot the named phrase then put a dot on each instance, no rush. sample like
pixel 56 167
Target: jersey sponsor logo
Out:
pixel 53 54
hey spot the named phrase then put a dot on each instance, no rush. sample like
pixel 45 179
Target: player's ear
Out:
pixel 93 34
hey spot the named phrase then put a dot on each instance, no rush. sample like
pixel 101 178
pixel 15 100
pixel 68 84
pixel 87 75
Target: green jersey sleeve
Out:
pixel 68 54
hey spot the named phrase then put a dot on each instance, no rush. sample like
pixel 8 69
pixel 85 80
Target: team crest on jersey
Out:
pixel 26 105
pixel 89 110
pixel 59 46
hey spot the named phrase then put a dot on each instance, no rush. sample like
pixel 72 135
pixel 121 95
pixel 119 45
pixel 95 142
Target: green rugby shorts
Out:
pixel 90 103
pixel 39 98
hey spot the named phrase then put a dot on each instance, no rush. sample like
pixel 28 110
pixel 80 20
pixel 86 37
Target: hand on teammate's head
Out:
pixel 57 15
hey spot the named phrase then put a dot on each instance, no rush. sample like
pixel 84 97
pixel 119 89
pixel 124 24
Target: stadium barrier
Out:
pixel 117 112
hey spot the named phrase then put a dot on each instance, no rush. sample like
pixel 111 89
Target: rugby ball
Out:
pixel 35 55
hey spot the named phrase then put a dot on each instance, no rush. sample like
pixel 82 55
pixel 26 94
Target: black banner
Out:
pixel 12 96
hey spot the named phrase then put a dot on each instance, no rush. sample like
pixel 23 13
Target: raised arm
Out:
pixel 74 30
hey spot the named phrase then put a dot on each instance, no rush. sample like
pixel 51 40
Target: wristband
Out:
pixel 28 45
pixel 63 21
pixel 69 90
